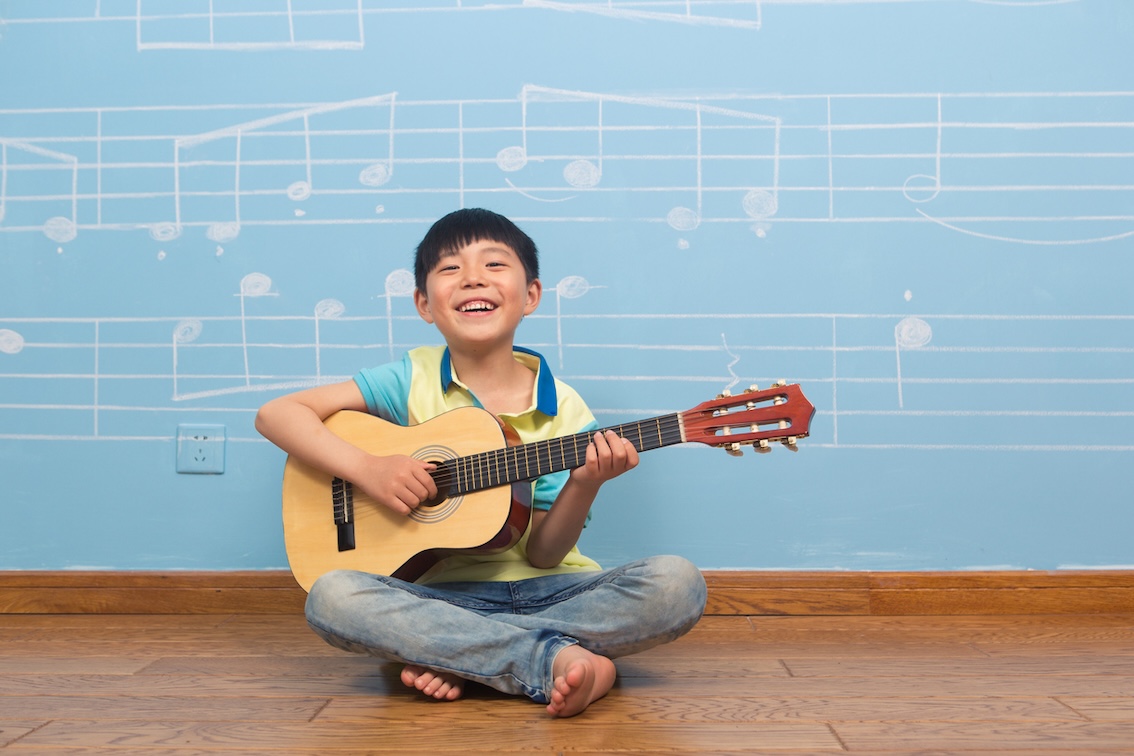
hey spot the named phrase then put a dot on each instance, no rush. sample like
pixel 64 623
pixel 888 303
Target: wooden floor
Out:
pixel 233 684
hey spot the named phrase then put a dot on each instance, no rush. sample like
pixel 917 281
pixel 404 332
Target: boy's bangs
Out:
pixel 464 227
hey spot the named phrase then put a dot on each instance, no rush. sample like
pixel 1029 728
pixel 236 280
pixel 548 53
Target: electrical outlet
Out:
pixel 200 449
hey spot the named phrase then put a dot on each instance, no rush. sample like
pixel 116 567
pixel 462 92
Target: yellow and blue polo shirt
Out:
pixel 422 385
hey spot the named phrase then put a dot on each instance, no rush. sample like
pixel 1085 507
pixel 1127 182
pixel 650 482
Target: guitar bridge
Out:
pixel 342 502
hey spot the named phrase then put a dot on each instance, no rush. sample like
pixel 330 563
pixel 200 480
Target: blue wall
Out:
pixel 922 211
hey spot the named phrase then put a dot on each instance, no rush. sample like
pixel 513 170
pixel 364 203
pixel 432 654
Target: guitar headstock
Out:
pixel 780 413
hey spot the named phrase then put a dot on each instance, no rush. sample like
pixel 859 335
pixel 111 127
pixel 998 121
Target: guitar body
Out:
pixel 383 541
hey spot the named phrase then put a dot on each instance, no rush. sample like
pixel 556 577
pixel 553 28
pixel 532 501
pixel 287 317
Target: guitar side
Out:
pixel 385 542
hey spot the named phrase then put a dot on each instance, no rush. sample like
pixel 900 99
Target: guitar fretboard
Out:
pixel 513 464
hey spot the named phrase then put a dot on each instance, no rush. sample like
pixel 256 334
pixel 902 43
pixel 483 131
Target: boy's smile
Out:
pixel 478 295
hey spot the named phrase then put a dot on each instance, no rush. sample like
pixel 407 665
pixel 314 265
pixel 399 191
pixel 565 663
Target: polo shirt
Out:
pixel 423 385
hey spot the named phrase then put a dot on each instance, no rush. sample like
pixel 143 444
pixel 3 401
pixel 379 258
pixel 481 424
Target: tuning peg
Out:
pixel 789 442
pixel 724 394
pixel 734 450
pixel 780 383
pixel 762 446
pixel 753 389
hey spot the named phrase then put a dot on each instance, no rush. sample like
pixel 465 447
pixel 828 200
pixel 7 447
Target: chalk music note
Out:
pixel 726 153
pixel 399 283
pixel 253 285
pixel 185 332
pixel 582 172
pixel 326 309
pixel 256 162
pixel 569 287
pixel 909 333
pixel 920 187
pixel 11 342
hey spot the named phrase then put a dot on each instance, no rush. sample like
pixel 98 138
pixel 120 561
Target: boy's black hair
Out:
pixel 463 227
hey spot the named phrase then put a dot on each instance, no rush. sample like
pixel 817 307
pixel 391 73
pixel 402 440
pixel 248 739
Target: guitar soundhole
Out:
pixel 441 505
pixel 439 499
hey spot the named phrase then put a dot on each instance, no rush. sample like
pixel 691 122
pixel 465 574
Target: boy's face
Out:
pixel 478 295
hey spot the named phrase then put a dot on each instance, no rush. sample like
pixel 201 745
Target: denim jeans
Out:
pixel 507 634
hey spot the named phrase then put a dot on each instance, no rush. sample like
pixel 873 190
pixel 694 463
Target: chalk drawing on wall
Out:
pixel 1046 168
pixel 340 24
pixel 609 156
pixel 1017 383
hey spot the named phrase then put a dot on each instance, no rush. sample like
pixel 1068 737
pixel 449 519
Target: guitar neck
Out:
pixel 514 464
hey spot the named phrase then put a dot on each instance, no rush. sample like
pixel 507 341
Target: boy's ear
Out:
pixel 422 305
pixel 535 293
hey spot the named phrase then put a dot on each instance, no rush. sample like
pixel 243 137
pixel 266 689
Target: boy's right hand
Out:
pixel 398 482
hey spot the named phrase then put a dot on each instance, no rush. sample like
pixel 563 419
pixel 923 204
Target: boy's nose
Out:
pixel 472 278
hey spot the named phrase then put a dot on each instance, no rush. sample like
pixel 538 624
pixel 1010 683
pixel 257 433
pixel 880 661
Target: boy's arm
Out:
pixel 294 423
pixel 555 532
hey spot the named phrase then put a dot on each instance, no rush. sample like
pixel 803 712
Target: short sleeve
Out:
pixel 386 390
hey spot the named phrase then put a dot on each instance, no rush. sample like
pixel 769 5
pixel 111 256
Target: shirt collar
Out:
pixel 547 401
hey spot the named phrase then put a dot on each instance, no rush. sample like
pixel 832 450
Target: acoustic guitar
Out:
pixel 483 479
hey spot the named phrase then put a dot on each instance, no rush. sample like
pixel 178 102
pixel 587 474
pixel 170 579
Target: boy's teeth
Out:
pixel 473 306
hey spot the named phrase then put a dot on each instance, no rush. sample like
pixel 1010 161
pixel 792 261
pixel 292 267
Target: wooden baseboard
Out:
pixel 921 593
pixel 730 593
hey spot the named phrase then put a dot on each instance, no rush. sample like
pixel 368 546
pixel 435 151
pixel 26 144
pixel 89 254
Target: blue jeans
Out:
pixel 506 635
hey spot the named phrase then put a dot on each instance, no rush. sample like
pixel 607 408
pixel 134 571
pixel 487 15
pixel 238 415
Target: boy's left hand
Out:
pixel 608 456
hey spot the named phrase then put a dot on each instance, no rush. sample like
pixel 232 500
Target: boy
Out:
pixel 539 619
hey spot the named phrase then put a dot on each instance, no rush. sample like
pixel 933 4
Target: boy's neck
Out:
pixel 499 381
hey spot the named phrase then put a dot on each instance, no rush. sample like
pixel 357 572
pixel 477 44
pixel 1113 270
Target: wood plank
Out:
pixel 1085 737
pixel 67 665
pixel 218 647
pixel 375 688
pixel 12 730
pixel 341 665
pixel 1100 665
pixel 133 707
pixel 943 686
pixel 677 707
pixel 1111 709
pixel 426 735
pixel 699 666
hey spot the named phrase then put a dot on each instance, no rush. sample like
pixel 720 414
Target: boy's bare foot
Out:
pixel 440 685
pixel 580 679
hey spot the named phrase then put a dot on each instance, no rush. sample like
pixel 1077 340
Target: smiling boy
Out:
pixel 539 619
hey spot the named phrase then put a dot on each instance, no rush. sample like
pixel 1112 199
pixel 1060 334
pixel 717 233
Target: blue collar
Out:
pixel 547 401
